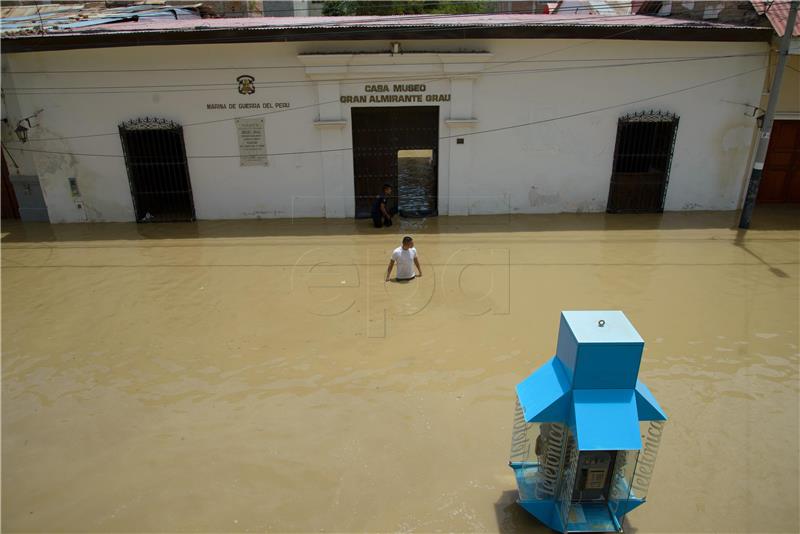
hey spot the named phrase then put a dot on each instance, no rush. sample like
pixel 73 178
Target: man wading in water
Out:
pixel 405 257
pixel 380 213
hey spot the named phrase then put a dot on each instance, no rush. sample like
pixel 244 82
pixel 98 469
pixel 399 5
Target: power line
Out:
pixel 605 17
pixel 201 123
pixel 214 121
pixel 261 114
pixel 287 67
pixel 462 134
pixel 79 90
pixel 579 114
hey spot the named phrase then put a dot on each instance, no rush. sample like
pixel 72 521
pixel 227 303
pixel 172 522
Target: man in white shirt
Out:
pixel 405 257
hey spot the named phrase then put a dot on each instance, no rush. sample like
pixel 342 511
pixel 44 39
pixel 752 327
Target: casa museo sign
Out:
pixel 398 92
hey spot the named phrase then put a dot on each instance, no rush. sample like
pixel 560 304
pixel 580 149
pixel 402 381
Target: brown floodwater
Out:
pixel 260 375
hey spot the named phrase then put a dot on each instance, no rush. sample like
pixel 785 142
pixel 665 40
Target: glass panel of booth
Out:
pixel 566 510
pixel 619 492
pixel 651 439
pixel 538 452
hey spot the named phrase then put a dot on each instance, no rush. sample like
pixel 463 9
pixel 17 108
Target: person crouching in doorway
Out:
pixel 380 211
pixel 405 256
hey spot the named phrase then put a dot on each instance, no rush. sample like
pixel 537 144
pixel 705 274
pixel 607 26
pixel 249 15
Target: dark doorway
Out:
pixel 780 179
pixel 9 208
pixel 379 136
pixel 157 170
pixel 642 159
pixel 416 183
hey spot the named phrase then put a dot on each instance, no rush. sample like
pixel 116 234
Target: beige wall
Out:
pixel 789 97
pixel 789 101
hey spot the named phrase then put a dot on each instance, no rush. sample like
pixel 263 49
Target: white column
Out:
pixel 462 120
pixel 331 125
pixel 461 98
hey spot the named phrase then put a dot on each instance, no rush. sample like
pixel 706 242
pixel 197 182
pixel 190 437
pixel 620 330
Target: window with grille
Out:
pixel 642 160
pixel 155 157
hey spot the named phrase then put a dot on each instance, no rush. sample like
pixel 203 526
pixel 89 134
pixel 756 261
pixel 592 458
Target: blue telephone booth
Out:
pixel 586 430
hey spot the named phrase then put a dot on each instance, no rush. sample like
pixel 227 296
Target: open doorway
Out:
pixel 416 182
pixel 396 146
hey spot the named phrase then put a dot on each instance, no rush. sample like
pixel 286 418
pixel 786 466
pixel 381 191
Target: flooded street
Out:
pixel 259 375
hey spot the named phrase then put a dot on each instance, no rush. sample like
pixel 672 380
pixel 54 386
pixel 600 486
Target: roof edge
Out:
pixel 106 39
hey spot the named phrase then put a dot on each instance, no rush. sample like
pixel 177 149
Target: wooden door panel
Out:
pixel 772 186
pixel 792 186
pixel 780 180
pixel 378 133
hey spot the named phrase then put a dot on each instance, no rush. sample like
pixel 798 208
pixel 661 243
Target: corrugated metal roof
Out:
pixel 604 7
pixel 18 15
pixel 37 10
pixel 777 11
pixel 413 21
pixel 146 31
pixel 53 18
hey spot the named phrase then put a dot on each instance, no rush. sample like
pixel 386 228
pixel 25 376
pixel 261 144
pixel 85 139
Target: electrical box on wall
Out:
pixel 586 430
pixel 73 187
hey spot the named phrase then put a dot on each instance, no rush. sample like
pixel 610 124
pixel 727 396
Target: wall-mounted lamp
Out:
pixel 395 48
pixel 22 130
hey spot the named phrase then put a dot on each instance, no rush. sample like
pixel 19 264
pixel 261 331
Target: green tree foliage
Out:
pixel 337 8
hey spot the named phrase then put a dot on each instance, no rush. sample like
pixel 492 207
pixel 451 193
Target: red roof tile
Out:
pixel 777 12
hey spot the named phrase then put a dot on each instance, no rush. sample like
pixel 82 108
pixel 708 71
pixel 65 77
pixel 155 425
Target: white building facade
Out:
pixel 526 117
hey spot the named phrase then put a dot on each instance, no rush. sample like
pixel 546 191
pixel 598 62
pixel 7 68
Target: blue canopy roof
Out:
pixel 601 414
pixel 605 420
pixel 544 396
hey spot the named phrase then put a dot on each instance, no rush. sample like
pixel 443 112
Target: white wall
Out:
pixel 556 166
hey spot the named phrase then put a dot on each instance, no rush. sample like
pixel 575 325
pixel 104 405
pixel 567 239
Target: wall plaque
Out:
pixel 252 144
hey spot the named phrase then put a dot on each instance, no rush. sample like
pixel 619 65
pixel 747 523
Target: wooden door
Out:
pixel 780 179
pixel 378 134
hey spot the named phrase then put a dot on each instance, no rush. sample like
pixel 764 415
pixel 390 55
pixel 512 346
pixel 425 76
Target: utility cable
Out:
pixel 123 89
pixel 200 123
pixel 284 110
pixel 261 114
pixel 463 134
pixel 342 65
